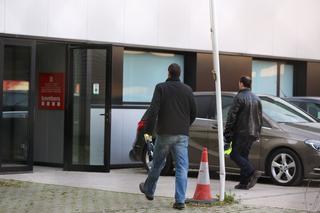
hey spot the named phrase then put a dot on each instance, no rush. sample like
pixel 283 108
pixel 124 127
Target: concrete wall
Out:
pixel 49 124
pixel 286 28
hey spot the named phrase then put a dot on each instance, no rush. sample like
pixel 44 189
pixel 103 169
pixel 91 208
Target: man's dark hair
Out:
pixel 246 81
pixel 174 70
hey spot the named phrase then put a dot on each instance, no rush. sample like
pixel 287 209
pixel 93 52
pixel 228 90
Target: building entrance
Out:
pixel 87 141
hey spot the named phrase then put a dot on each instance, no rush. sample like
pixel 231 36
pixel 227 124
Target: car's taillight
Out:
pixel 140 125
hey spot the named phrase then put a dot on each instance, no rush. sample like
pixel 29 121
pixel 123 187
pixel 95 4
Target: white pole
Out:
pixel 216 74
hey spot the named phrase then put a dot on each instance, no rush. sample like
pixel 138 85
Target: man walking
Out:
pixel 173 110
pixel 243 127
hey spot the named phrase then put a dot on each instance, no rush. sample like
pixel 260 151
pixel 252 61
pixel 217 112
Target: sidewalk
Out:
pixel 17 196
pixel 54 190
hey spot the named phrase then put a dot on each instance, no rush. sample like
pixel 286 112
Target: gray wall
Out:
pixel 49 124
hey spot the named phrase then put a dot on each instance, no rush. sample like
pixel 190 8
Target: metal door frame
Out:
pixel 68 138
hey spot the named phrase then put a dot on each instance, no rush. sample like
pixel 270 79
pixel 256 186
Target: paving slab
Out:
pixel 300 198
pixel 21 196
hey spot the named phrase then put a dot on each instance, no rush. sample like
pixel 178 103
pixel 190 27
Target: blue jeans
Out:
pixel 178 145
pixel 241 146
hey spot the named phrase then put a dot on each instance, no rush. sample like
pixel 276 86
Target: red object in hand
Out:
pixel 140 125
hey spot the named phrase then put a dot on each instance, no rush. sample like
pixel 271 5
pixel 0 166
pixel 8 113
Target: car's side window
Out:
pixel 227 102
pixel 203 106
pixel 301 105
pixel 313 109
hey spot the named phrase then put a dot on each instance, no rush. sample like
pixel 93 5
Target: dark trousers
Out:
pixel 241 146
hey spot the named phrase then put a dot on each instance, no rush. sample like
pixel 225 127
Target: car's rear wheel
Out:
pixel 285 167
pixel 147 161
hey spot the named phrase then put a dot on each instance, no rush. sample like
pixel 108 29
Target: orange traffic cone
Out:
pixel 203 190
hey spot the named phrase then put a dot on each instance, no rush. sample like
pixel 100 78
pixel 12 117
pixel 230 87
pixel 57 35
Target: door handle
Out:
pixel 102 114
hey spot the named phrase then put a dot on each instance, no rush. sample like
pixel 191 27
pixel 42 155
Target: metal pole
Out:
pixel 216 75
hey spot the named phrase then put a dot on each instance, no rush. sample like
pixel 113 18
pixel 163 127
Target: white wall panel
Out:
pixel 285 28
pixel 106 20
pixel 232 25
pixel 123 132
pixel 67 19
pixel 26 17
pixel 308 41
pixel 141 26
pixel 173 23
pixel 199 36
pixel 2 15
pixel 260 29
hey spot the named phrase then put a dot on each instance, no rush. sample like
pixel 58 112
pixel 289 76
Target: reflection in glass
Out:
pixel 89 68
pixel 15 109
pixel 282 112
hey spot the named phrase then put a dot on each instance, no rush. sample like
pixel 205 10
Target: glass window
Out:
pixel 286 80
pixel 203 106
pixel 282 112
pixel 143 70
pixel 313 109
pixel 15 129
pixel 301 105
pixel 227 102
pixel 89 69
pixel 264 77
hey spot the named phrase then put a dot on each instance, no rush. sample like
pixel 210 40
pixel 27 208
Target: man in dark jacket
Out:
pixel 243 127
pixel 173 110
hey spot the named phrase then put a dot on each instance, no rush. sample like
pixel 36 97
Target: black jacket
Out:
pixel 172 109
pixel 245 116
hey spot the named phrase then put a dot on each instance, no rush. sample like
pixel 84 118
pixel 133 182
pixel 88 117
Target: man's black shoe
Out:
pixel 141 187
pixel 179 206
pixel 241 186
pixel 254 178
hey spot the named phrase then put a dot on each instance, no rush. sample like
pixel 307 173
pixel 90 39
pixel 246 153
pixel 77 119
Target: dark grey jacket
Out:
pixel 245 116
pixel 172 109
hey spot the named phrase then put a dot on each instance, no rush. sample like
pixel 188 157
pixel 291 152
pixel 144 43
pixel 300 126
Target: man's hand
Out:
pixel 227 146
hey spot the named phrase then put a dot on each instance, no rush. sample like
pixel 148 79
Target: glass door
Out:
pixel 87 141
pixel 16 104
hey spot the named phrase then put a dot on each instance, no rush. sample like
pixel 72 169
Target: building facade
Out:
pixel 77 75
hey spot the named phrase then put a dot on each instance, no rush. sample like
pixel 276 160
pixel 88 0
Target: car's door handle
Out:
pixel 103 114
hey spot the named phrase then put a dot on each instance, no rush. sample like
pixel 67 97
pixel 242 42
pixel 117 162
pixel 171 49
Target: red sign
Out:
pixel 51 91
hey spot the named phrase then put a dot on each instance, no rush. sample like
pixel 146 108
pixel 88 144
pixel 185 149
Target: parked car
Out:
pixel 310 105
pixel 288 151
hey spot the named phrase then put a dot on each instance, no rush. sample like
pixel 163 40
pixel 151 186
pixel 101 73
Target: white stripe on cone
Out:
pixel 203 177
